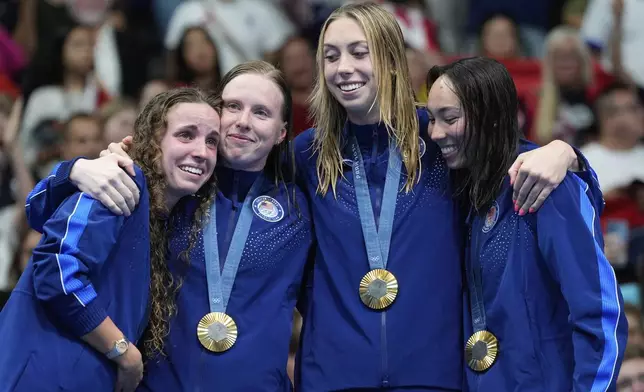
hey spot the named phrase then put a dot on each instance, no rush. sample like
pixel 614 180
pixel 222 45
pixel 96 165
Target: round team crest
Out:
pixel 268 209
pixel 491 217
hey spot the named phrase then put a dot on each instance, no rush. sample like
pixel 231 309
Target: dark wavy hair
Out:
pixel 183 72
pixel 149 129
pixel 489 102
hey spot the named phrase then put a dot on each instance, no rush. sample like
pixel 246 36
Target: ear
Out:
pixel 282 134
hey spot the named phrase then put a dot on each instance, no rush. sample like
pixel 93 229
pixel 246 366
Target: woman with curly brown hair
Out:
pixel 229 300
pixel 85 293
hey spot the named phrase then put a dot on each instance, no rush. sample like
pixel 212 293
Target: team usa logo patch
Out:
pixel 268 209
pixel 491 217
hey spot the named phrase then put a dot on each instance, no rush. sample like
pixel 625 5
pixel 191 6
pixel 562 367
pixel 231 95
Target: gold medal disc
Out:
pixel 481 350
pixel 217 331
pixel 378 289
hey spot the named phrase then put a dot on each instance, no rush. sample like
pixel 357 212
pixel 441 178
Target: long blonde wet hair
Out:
pixel 395 95
pixel 547 108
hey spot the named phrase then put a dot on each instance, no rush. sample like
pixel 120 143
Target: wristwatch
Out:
pixel 120 347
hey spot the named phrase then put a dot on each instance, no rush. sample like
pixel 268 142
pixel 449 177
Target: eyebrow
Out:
pixel 352 44
pixel 444 109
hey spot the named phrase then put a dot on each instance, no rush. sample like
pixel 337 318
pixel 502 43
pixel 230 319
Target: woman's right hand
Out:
pixel 129 370
pixel 106 179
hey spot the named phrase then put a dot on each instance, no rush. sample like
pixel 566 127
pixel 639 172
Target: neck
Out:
pixel 170 201
pixel 372 117
pixel 74 82
pixel 254 167
pixel 616 143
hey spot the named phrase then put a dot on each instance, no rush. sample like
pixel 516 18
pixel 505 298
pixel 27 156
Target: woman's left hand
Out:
pixel 535 174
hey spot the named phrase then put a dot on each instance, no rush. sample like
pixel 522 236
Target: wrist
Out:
pixel 76 169
pixel 118 350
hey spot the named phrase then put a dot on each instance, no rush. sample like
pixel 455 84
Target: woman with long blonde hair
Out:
pixel 83 301
pixel 564 102
pixel 384 302
pixel 233 295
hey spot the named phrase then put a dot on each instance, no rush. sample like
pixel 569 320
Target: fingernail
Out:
pixel 531 210
pixel 521 212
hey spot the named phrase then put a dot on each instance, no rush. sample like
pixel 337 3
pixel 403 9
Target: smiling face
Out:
pixel 251 122
pixel 446 122
pixel 189 148
pixel 348 70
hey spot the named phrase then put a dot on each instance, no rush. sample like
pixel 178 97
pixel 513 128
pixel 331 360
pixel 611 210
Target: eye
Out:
pixel 184 135
pixel 360 55
pixel 232 106
pixel 331 57
pixel 261 113
pixel 211 141
pixel 432 120
pixel 451 120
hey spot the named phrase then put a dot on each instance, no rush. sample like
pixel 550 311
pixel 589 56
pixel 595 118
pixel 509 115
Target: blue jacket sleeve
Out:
pixel 48 194
pixel 569 238
pixel 76 242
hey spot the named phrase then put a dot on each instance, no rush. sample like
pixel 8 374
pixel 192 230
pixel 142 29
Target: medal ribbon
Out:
pixel 475 284
pixel 220 283
pixel 377 239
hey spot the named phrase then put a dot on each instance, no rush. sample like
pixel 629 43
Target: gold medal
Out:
pixel 481 350
pixel 378 289
pixel 217 331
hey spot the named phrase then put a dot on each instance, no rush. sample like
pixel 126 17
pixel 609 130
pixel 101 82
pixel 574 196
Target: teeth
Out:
pixel 448 149
pixel 190 169
pixel 351 87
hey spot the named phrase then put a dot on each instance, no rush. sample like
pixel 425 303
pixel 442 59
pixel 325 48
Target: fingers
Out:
pixel 543 195
pixel 104 153
pixel 534 193
pixel 513 171
pixel 525 182
pixel 127 164
pixel 518 184
pixel 127 188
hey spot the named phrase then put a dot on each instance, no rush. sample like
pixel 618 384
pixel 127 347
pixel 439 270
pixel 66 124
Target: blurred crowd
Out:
pixel 74 74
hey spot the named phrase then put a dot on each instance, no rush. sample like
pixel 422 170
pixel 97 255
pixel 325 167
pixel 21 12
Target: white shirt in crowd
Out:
pixel 242 30
pixel 597 27
pixel 615 168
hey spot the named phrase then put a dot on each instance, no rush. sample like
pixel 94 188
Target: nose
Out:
pixel 435 131
pixel 243 121
pixel 200 150
pixel 345 65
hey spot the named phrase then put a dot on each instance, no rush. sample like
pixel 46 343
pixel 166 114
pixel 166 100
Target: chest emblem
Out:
pixel 491 217
pixel 268 209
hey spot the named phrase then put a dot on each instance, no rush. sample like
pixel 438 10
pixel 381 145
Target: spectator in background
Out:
pixel 631 375
pixel 118 118
pixel 635 331
pixel 573 12
pixel 196 61
pixel 82 137
pixel 499 38
pixel 564 101
pixel 68 85
pixel 603 25
pixel 297 61
pixel 242 30
pixel 151 89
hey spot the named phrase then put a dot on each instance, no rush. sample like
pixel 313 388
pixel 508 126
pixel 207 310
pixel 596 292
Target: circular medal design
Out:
pixel 422 147
pixel 481 350
pixel 268 209
pixel 378 289
pixel 217 332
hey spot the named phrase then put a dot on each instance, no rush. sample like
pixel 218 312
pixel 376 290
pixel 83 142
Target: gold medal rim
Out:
pixel 386 300
pixel 205 339
pixel 492 344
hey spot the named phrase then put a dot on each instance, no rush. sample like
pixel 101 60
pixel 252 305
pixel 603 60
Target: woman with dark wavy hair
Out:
pixel 230 300
pixel 546 311
pixel 83 301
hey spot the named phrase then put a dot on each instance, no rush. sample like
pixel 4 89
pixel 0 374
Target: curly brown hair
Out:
pixel 149 129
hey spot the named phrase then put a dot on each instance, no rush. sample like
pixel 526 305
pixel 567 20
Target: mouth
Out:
pixel 239 137
pixel 350 87
pixel 449 149
pixel 192 170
